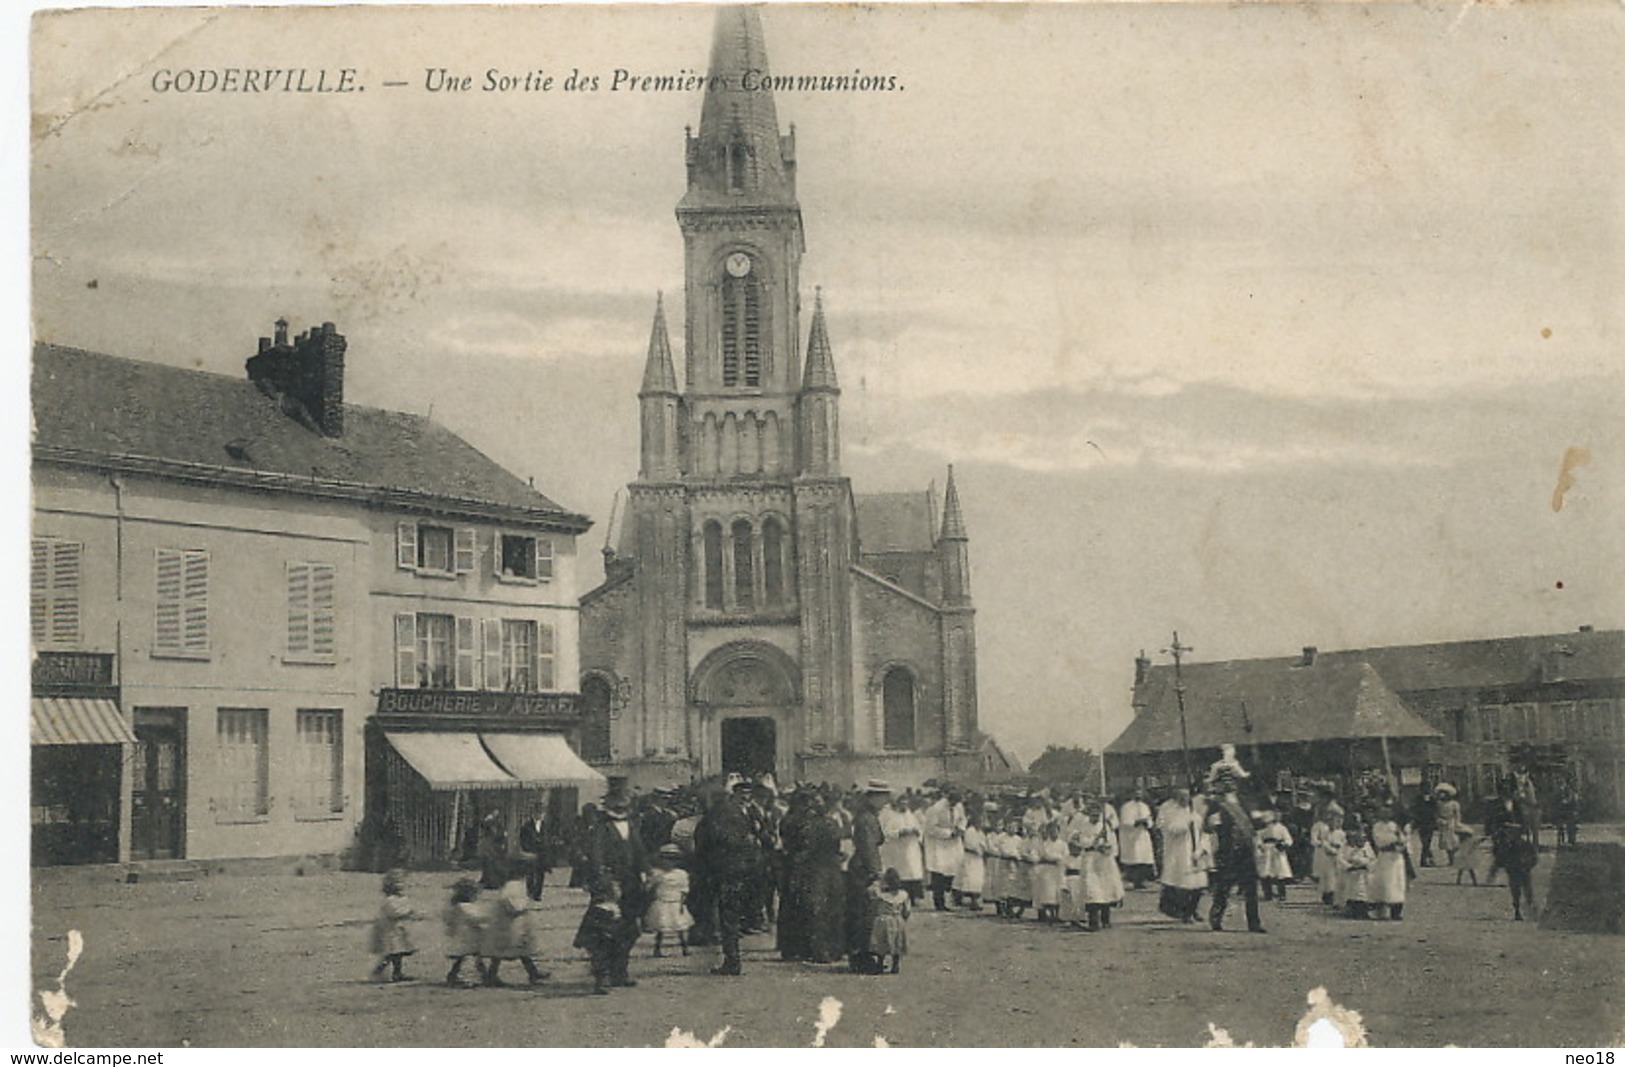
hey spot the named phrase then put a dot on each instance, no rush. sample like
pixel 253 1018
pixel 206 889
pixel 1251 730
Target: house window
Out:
pixel 311 610
pixel 1489 724
pixel 428 548
pixel 182 624
pixel 1597 719
pixel 243 786
pixel 524 558
pixel 1557 721
pixel 519 655
pixel 897 702
pixel 713 565
pixel 1521 723
pixel 318 786
pixel 595 709
pixel 435 637
pixel 744 572
pixel 54 591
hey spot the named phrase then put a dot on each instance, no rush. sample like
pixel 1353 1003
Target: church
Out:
pixel 757 615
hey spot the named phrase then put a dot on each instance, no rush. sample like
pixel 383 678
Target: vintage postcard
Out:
pixel 844 526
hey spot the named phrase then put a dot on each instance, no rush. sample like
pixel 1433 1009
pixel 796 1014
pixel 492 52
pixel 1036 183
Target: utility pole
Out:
pixel 1178 651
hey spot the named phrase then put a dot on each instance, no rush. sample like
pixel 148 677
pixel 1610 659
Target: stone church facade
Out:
pixel 757 614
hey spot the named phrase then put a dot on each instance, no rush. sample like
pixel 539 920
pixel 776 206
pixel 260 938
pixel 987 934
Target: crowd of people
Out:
pixel 836 873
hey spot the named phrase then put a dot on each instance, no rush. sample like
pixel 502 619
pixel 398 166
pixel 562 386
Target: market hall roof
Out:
pixel 99 410
pixel 1281 699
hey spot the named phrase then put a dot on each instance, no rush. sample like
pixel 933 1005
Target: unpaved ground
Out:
pixel 238 960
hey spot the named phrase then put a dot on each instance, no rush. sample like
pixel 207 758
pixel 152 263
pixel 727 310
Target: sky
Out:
pixel 1272 325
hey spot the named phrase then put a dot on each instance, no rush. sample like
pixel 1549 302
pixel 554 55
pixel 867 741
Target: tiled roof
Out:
pixel 894 522
pixel 1346 692
pixel 93 405
pixel 1332 699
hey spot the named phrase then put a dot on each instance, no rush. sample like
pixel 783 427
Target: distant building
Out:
pixel 757 614
pixel 1464 712
pixel 255 605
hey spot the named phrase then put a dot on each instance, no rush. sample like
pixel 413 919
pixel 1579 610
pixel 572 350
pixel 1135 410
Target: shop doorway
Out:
pixel 158 796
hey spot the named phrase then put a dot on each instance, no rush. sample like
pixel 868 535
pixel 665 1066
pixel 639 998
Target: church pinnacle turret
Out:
pixel 953 520
pixel 820 369
pixel 658 373
pixel 953 547
pixel 660 405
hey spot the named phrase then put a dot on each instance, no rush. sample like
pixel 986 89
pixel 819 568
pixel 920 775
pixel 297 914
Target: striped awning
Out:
pixel 77 721
pixel 450 761
pixel 543 761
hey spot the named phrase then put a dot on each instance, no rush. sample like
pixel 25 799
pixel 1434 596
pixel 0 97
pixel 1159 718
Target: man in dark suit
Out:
pixel 863 870
pixel 727 848
pixel 1236 855
pixel 536 851
pixel 615 867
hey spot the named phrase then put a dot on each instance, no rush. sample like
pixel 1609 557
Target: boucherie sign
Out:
pixel 471 702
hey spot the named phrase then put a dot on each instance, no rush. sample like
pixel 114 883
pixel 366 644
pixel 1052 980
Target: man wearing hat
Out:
pixel 863 870
pixel 614 870
pixel 727 850
pixel 1236 854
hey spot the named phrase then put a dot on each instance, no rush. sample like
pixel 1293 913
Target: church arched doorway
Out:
pixel 747 693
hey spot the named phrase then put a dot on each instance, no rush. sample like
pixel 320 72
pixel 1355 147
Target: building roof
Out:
pixel 1335 698
pixel 92 407
pixel 1583 655
pixel 894 522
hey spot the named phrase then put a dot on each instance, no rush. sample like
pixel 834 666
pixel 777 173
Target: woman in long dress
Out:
pixel 1388 874
pixel 972 877
pixel 1184 869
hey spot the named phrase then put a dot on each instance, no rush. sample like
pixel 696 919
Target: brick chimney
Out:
pixel 309 371
pixel 1142 668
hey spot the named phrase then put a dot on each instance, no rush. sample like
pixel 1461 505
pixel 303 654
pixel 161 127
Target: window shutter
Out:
pixel 167 635
pixel 39 578
pixel 465 654
pixel 323 581
pixel 492 641
pixel 406 650
pixel 65 592
pixel 544 656
pixel 298 609
pixel 544 559
pixel 463 562
pixel 497 553
pixel 196 592
pixel 406 545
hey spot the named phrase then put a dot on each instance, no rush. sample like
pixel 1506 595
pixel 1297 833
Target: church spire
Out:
pixel 738 153
pixel 658 373
pixel 953 520
pixel 820 369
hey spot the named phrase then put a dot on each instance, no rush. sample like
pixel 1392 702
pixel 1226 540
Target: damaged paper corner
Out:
pixel 1328 1025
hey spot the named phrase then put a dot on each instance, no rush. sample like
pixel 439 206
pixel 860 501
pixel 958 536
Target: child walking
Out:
pixel 391 942
pixel 888 933
pixel 668 912
pixel 463 921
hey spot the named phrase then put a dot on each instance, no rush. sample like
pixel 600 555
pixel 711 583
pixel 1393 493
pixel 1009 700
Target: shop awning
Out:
pixel 451 760
pixel 77 721
pixel 543 761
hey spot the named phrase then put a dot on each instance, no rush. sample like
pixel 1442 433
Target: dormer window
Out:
pixel 738 166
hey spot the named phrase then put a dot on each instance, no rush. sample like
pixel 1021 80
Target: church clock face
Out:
pixel 738 264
